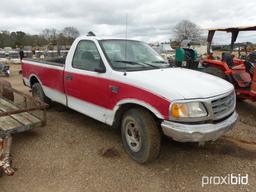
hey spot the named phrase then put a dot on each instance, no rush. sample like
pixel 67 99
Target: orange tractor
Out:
pixel 240 72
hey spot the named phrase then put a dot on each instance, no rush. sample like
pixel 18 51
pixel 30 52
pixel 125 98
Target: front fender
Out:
pixel 140 103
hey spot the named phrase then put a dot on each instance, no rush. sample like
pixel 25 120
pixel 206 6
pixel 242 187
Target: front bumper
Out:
pixel 198 132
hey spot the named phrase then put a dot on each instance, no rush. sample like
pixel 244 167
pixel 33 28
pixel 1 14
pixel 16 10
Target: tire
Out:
pixel 38 92
pixel 216 72
pixel 147 145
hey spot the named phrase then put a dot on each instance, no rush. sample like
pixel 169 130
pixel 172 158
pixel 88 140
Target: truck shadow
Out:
pixel 246 107
pixel 247 113
pixel 56 107
pixel 219 147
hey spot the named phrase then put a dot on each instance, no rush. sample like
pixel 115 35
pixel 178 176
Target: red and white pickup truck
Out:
pixel 126 84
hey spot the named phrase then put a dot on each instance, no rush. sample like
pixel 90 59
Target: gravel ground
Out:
pixel 66 155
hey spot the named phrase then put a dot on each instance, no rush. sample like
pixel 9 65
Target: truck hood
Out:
pixel 178 83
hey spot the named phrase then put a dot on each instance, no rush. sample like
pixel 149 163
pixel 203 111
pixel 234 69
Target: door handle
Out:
pixel 68 77
pixel 114 89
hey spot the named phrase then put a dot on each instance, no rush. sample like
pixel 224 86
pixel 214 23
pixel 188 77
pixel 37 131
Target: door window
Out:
pixel 87 57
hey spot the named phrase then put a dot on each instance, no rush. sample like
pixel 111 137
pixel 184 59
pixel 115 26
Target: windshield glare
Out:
pixel 131 55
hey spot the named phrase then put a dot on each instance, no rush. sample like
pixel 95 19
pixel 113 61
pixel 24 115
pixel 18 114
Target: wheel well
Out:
pixel 123 108
pixel 33 80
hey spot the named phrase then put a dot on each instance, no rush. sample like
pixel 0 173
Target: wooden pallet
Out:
pixel 16 123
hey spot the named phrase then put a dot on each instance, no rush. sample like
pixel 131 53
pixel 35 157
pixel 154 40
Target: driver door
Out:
pixel 85 81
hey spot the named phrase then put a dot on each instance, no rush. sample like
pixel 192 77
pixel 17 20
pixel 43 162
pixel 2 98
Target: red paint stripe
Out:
pixel 126 91
pixel 96 90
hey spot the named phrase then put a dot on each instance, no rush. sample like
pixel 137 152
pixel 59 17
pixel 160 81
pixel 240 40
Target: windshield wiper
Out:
pixel 124 61
pixel 137 63
pixel 148 64
pixel 158 62
pixel 164 64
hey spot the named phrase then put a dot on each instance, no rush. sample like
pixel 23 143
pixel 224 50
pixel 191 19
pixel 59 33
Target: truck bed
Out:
pixel 51 74
pixel 50 61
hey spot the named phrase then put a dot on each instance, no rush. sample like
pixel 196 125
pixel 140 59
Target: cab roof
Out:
pixel 98 38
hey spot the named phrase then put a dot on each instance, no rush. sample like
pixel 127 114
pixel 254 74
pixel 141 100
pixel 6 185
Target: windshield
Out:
pixel 131 55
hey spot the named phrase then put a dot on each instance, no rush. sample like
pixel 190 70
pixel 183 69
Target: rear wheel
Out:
pixel 38 92
pixel 140 135
pixel 216 72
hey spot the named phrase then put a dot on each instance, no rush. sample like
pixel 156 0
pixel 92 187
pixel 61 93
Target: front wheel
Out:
pixel 140 135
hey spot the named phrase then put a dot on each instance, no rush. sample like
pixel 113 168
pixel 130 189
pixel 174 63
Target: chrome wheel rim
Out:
pixel 132 135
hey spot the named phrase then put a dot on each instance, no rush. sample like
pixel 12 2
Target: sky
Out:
pixel 147 20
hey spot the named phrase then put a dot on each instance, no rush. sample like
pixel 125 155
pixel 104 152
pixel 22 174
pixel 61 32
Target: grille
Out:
pixel 222 107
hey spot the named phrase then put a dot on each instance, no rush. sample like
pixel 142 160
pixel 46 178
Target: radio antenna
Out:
pixel 125 49
pixel 126 23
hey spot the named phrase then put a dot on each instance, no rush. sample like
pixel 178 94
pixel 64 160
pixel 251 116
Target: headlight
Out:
pixel 188 110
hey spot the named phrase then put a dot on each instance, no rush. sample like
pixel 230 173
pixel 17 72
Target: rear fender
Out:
pixel 36 77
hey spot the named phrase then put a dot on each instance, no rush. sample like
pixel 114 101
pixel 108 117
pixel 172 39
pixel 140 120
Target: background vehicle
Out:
pixel 241 73
pixel 14 56
pixel 3 58
pixel 186 58
pixel 127 85
pixel 4 70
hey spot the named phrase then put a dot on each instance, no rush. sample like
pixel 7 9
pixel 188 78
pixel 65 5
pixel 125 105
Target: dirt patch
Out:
pixel 109 152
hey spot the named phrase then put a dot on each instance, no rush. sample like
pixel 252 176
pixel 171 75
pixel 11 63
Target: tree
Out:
pixel 70 32
pixel 6 39
pixel 187 30
pixel 20 38
pixel 50 35
pixel 61 39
